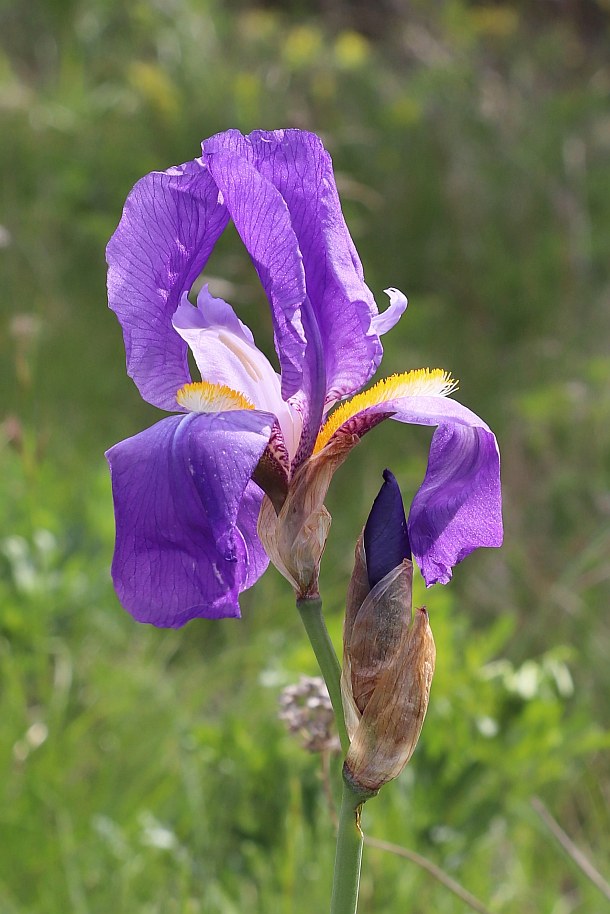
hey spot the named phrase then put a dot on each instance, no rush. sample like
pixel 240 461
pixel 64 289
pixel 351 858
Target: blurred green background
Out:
pixel 146 771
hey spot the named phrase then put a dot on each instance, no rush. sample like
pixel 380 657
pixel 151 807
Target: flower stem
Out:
pixel 348 856
pixel 310 609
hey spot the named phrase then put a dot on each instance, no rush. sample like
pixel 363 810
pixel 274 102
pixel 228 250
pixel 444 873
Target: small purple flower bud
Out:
pixel 386 541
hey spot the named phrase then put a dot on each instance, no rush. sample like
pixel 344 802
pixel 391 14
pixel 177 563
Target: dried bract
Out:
pixel 388 664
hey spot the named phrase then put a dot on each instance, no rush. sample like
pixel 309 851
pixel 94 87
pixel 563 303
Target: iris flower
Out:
pixel 239 473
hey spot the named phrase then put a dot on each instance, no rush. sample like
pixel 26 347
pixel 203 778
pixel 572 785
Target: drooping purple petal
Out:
pixel 459 504
pixel 386 541
pixel 185 510
pixel 297 165
pixel 170 224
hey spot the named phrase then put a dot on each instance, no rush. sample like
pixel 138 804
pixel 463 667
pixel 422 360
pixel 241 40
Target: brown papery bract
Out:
pixel 294 538
pixel 388 664
pixel 390 726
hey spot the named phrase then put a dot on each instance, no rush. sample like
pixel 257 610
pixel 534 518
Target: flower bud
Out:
pixel 388 656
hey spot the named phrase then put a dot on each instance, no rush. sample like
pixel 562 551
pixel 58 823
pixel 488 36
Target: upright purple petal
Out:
pixel 298 166
pixel 263 222
pixel 311 399
pixel 186 516
pixel 170 224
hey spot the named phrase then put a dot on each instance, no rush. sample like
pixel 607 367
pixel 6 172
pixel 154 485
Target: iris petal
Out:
pixel 262 219
pixel 296 163
pixel 390 317
pixel 185 510
pixel 170 224
pixel 459 504
pixel 224 350
pixel 225 353
pixel 210 312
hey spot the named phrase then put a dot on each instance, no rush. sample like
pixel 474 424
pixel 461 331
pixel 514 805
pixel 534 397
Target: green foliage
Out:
pixel 146 771
pixel 149 771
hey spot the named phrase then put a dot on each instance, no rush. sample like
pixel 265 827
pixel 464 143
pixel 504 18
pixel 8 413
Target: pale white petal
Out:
pixel 225 353
pixel 381 323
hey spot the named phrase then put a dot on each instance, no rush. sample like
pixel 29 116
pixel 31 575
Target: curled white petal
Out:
pixel 390 317
pixel 225 353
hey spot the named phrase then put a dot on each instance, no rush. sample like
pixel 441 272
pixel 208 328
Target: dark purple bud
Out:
pixel 386 541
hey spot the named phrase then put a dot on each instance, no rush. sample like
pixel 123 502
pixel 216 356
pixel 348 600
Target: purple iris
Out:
pixel 187 492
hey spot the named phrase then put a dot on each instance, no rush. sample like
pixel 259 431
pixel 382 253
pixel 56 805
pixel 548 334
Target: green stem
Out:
pixel 310 609
pixel 348 856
